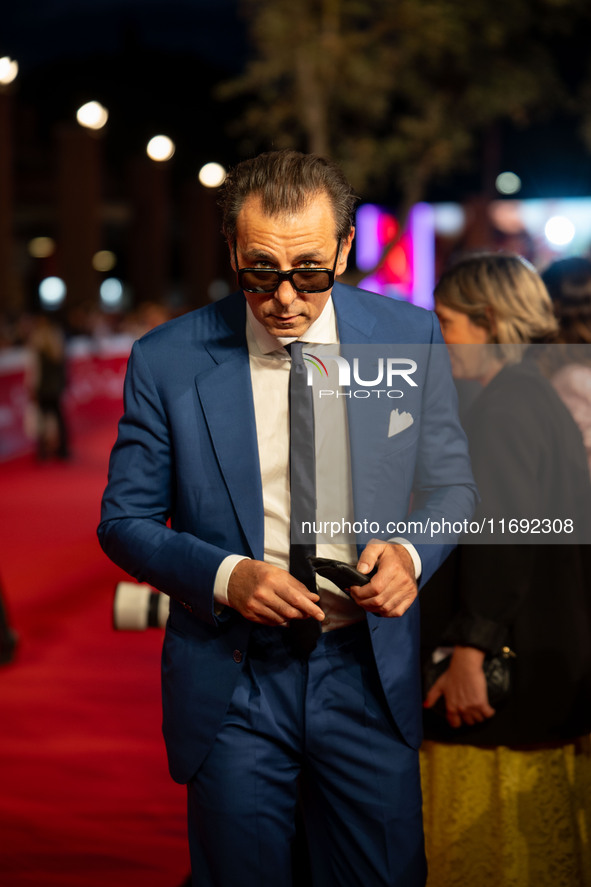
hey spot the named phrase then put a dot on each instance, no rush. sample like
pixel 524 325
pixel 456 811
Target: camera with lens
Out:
pixel 138 606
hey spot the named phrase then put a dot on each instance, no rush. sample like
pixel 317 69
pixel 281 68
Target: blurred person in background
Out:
pixel 569 283
pixel 8 637
pixel 146 317
pixel 507 791
pixel 47 385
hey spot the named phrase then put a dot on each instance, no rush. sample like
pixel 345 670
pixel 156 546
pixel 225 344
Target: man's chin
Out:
pixel 283 329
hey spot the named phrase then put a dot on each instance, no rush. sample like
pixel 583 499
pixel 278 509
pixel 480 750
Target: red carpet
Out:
pixel 85 795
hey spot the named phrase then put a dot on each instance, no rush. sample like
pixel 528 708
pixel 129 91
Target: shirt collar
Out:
pixel 322 332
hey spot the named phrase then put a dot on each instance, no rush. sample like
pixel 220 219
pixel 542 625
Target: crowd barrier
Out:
pixel 95 373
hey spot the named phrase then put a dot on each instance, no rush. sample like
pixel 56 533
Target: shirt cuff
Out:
pixel 398 540
pixel 222 577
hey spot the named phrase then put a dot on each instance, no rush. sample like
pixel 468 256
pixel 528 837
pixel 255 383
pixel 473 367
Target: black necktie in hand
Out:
pixel 304 632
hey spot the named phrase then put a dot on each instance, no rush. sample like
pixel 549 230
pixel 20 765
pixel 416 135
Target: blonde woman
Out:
pixel 507 789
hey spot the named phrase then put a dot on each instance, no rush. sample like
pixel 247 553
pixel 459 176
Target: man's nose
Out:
pixel 285 293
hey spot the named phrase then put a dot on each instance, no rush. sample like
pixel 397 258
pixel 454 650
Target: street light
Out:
pixel 111 293
pixel 92 115
pixel 52 292
pixel 41 247
pixel 12 295
pixel 212 175
pixel 559 231
pixel 104 260
pixel 508 183
pixel 160 148
pixel 8 70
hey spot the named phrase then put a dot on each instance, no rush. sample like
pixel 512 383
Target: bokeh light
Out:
pixel 449 219
pixel 104 260
pixel 508 183
pixel 8 70
pixel 41 247
pixel 559 230
pixel 212 175
pixel 111 291
pixel 92 115
pixel 52 292
pixel 160 148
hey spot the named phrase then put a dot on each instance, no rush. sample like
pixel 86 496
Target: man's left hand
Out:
pixel 394 587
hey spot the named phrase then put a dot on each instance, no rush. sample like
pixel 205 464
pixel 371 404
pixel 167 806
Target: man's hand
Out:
pixel 269 595
pixel 393 588
pixel 463 685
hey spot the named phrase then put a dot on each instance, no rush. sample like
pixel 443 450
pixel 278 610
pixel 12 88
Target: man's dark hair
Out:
pixel 285 181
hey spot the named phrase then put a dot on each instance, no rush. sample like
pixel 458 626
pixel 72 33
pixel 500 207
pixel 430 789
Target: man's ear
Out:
pixel 345 249
pixel 232 255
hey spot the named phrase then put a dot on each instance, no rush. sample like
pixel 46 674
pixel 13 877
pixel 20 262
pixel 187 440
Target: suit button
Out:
pixel 237 656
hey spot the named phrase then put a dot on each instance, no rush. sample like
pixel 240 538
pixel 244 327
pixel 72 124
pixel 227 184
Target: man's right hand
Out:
pixel 269 595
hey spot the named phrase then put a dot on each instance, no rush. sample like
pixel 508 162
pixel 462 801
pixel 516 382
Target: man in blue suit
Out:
pixel 198 505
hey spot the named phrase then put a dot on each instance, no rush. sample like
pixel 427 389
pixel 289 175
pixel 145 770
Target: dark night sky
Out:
pixel 41 31
pixel 153 63
pixel 114 50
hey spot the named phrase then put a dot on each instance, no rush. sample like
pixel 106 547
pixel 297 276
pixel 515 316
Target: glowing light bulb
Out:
pixel 559 230
pixel 8 70
pixel 508 183
pixel 92 115
pixel 41 247
pixel 212 175
pixel 52 291
pixel 160 148
pixel 111 291
pixel 104 260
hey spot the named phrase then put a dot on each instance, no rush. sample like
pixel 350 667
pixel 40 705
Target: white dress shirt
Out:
pixel 270 366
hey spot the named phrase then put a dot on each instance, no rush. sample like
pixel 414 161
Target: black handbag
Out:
pixel 497 670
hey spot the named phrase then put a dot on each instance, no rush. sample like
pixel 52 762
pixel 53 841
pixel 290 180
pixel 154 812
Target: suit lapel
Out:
pixel 225 393
pixel 355 322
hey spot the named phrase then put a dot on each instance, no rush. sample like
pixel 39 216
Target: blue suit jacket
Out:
pixel 184 491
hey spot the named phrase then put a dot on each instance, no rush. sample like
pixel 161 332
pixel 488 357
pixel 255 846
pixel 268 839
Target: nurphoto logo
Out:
pixel 386 372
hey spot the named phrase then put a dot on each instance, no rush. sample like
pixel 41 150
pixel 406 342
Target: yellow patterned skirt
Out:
pixel 497 817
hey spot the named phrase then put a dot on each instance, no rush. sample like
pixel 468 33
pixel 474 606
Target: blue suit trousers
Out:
pixel 315 735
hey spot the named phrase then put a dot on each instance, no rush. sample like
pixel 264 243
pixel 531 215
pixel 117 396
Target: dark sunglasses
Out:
pixel 303 280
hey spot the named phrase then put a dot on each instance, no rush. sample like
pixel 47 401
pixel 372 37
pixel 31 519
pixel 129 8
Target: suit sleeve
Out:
pixel 135 531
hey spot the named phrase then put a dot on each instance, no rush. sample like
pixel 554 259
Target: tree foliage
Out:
pixel 399 91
